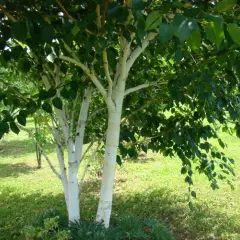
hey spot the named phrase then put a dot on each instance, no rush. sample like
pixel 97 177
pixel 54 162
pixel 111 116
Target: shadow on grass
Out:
pixel 15 170
pixel 203 222
pixel 17 148
pixel 18 209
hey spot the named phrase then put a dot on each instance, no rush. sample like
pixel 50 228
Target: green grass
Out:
pixel 152 188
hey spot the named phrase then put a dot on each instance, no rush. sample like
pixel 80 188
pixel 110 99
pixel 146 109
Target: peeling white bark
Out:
pixel 74 158
pixel 109 168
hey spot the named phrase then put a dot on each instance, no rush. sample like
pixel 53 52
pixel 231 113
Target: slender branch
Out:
pixel 84 154
pixel 95 113
pixel 126 3
pixel 43 152
pixel 98 17
pixel 73 111
pixel 64 10
pixel 139 109
pixel 89 73
pixel 137 52
pixel 47 69
pixel 70 51
pixel 58 84
pixel 59 113
pixel 145 85
pixel 106 70
pixel 14 90
pixel 105 7
pixel 56 135
pixel 10 17
pixel 121 72
pixel 80 129
pixel 89 162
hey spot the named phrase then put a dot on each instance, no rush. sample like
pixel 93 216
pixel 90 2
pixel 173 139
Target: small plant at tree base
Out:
pixel 93 231
pixel 134 227
pixel 50 230
pixel 53 225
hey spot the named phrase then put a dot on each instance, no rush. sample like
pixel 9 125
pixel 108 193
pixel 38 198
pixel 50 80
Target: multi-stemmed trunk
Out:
pixel 74 146
pixel 113 98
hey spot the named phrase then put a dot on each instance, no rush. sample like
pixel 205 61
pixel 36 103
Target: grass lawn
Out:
pixel 152 188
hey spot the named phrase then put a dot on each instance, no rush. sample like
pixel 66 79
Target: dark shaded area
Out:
pixel 18 210
pixel 14 170
pixel 17 148
pixel 200 223
pixel 161 204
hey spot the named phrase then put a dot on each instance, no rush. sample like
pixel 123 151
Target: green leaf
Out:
pixel 225 5
pixel 2 2
pixel 154 19
pixel 3 62
pixel 144 148
pixel 188 179
pixel 25 65
pixel 103 42
pixel 47 33
pixel 47 107
pixel 113 10
pixel 22 119
pixel 178 55
pixel 193 194
pixel 183 170
pixel 43 95
pixel 57 103
pixel 4 127
pixel 127 35
pixel 194 41
pixel 234 32
pixel 190 205
pixel 75 30
pixel 119 161
pixel 137 4
pixel 51 57
pixel 14 127
pixel 184 27
pixel 65 93
pixel 19 31
pixel 221 143
pixel 140 33
pixel 215 33
pixel 166 32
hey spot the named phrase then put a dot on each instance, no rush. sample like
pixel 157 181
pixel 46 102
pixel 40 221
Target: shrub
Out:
pixel 133 227
pixel 52 225
pixel 49 225
pixel 93 231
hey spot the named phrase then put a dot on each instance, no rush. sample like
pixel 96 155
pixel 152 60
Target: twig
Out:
pixel 43 152
pixel 64 10
pixel 88 163
pixel 145 85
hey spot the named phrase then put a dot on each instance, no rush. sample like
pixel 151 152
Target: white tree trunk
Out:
pixel 109 168
pixel 73 191
pixel 62 167
pixel 74 158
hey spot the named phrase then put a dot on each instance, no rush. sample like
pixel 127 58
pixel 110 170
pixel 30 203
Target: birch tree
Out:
pixel 179 57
